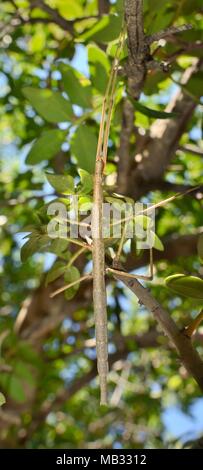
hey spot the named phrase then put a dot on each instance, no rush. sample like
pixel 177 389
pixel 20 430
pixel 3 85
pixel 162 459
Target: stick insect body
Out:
pixel 97 246
pixel 98 253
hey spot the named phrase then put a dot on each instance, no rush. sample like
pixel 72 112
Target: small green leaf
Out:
pixel 69 9
pixel 174 382
pixel 56 271
pixel 157 244
pixel 152 112
pixel 188 286
pixel 200 246
pixel 116 202
pixel 23 371
pixel 33 245
pixel 2 399
pixel 16 390
pixel 51 105
pixel 99 67
pixel 194 86
pixel 84 147
pixel 86 182
pixel 46 147
pixel 26 352
pixel 59 246
pixel 85 203
pixel 71 275
pixel 76 86
pixel 63 184
pixel 105 30
pixel 143 221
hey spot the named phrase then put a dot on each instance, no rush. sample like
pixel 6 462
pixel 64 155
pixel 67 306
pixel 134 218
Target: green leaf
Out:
pixel 72 274
pixel 174 382
pixel 152 112
pixel 26 352
pixel 85 203
pixel 194 86
pixel 63 184
pixel 37 41
pixel 76 87
pixel 46 147
pixel 33 245
pixel 200 246
pixel 84 147
pixel 56 271
pixel 153 239
pixel 105 30
pixel 2 399
pixel 58 246
pixel 16 390
pixel 86 182
pixel 69 9
pixel 157 243
pixel 23 371
pixel 99 67
pixel 144 221
pixel 51 105
pixel 188 286
pixel 115 201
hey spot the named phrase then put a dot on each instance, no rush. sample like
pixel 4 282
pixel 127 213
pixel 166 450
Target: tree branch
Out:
pixel 103 7
pixel 156 150
pixel 124 163
pixel 189 148
pixel 139 57
pixel 188 355
pixel 167 33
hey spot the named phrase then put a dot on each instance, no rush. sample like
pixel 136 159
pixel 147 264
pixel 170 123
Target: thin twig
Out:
pixel 74 283
pixel 188 355
pixel 165 33
pixel 148 210
pixel 192 327
pixel 76 255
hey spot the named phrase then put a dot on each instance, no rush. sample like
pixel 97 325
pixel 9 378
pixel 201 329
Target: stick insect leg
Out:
pixel 67 286
pixel 110 96
pixel 114 270
pixel 109 114
pixel 192 327
pixel 104 114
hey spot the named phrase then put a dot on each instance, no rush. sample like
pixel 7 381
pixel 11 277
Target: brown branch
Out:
pixel 53 17
pixel 186 47
pixel 138 52
pixel 124 163
pixel 66 25
pixel 54 14
pixel 188 355
pixel 156 150
pixel 167 33
pixel 103 7
pixel 189 148
pixel 40 315
pixel 139 56
pixel 147 340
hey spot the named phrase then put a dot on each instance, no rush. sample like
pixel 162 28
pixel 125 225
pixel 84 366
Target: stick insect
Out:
pixel 97 244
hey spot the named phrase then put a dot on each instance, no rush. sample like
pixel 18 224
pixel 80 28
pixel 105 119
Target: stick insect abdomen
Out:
pixel 99 289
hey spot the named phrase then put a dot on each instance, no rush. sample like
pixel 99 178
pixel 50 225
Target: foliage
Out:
pixel 53 79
